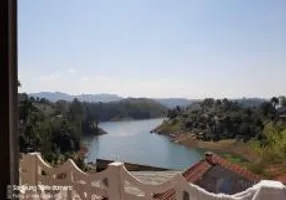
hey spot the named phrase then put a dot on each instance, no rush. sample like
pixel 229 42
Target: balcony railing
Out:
pixel 40 180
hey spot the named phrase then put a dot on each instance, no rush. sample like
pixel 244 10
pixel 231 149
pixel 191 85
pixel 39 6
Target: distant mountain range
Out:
pixel 250 102
pixel 55 96
pixel 173 102
pixel 105 98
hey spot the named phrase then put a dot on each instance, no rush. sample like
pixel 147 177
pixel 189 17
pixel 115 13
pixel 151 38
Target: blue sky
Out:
pixel 154 48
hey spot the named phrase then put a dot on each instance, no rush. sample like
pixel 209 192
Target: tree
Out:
pixel 44 101
pixel 267 108
pixel 274 101
pixel 208 102
pixel 188 124
pixel 178 109
pixel 22 143
pixel 172 113
pixel 274 145
pixel 218 102
pixel 226 103
pixel 76 110
pixel 244 129
pixel 61 107
pixel 32 99
pixel 26 108
pixel 283 101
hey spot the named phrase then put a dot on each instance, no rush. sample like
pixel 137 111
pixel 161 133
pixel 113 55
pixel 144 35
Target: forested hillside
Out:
pixel 125 109
pixel 223 119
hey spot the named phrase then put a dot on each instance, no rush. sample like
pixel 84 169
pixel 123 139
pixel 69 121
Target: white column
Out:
pixel 30 169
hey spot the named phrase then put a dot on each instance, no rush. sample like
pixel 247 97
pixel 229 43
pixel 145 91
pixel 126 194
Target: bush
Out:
pixel 258 168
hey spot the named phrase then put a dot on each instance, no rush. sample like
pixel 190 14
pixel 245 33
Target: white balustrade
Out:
pixel 108 184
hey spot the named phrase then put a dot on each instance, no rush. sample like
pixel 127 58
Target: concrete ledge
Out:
pixel 102 164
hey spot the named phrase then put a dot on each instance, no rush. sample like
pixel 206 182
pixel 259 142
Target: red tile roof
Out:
pixel 217 160
pixel 282 179
pixel 196 172
pixel 192 175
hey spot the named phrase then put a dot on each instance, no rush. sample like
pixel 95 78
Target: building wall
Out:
pixel 221 180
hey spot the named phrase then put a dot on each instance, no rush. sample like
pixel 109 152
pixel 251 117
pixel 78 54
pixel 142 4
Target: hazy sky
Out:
pixel 154 48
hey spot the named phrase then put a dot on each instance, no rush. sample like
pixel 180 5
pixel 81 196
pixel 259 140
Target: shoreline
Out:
pixel 223 146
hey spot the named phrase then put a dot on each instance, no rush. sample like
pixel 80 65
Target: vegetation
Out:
pixel 56 135
pixel 126 109
pixel 271 150
pixel 221 119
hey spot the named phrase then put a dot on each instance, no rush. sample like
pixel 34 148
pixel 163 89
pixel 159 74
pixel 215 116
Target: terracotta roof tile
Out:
pixel 282 178
pixel 236 169
pixel 196 172
pixel 192 175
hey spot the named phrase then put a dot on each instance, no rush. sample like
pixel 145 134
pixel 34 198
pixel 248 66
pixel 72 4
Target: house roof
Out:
pixel 198 170
pixel 282 179
pixel 281 110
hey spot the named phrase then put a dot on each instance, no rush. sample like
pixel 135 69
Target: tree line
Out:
pixel 213 119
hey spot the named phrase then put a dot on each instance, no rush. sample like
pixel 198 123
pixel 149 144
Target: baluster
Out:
pixel 115 182
pixel 30 163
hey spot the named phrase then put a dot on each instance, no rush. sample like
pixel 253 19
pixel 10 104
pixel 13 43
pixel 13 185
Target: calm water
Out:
pixel 130 141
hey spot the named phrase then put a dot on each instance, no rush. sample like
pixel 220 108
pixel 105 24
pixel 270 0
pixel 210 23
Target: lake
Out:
pixel 131 141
